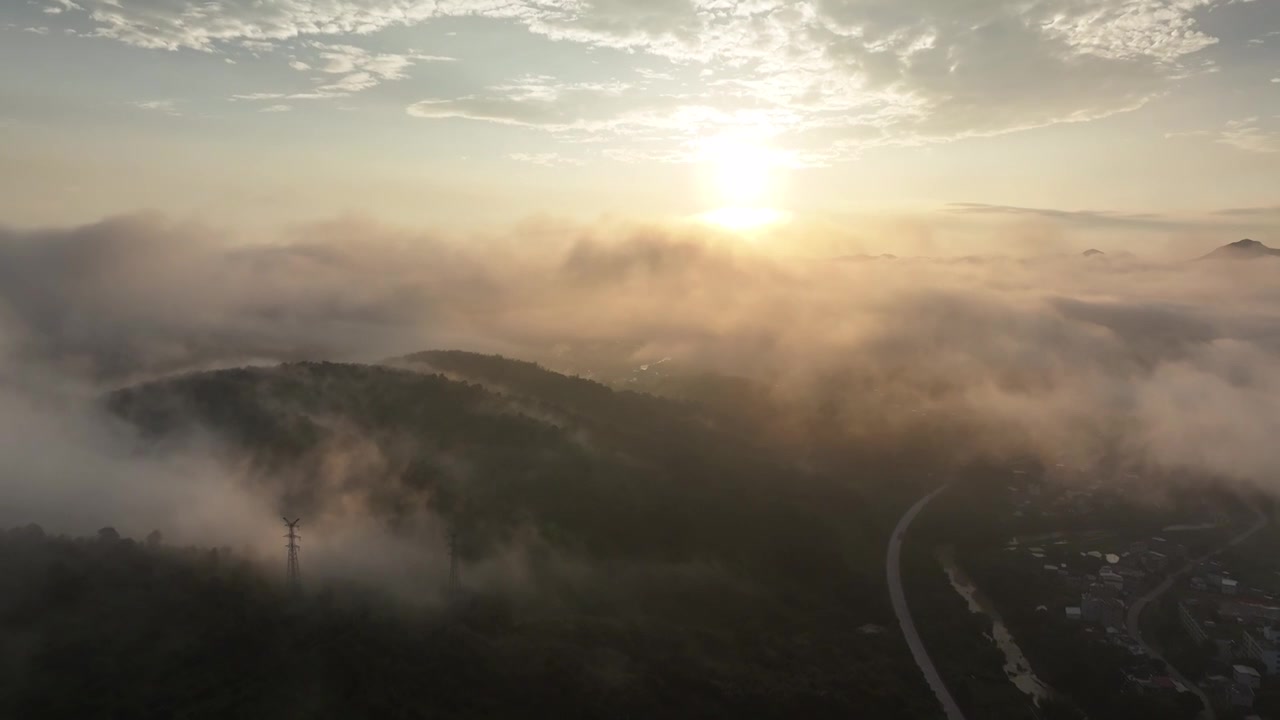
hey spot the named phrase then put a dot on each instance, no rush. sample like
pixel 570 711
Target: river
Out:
pixel 1015 663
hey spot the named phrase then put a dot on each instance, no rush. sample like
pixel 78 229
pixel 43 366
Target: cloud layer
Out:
pixel 825 78
pixel 1176 364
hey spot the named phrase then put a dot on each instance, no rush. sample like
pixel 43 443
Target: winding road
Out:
pixel 1135 610
pixel 893 565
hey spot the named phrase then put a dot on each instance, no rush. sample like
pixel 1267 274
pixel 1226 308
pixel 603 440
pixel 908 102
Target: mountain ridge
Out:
pixel 1242 250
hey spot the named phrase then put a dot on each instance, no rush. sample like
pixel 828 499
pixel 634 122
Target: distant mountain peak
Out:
pixel 1243 249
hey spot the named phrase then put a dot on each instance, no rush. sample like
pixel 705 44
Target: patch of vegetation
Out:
pixel 712 578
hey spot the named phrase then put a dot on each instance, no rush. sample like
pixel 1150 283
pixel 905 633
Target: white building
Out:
pixel 1263 650
pixel 1187 614
pixel 1246 676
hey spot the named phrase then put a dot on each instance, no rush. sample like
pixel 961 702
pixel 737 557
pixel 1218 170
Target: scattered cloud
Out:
pixel 535 100
pixel 1141 29
pixel 258 47
pixel 829 74
pixel 168 107
pixel 36 30
pixel 356 69
pixel 342 87
pixel 548 159
pixel 276 108
pixel 259 96
pixel 1251 135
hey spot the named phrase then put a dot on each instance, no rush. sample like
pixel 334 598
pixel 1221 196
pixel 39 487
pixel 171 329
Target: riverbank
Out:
pixel 1016 666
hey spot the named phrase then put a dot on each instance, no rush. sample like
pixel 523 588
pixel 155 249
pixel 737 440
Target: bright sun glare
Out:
pixel 742 176
pixel 743 218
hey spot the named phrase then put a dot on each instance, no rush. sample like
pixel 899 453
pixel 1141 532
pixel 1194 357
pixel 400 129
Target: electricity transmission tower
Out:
pixel 292 573
pixel 453 558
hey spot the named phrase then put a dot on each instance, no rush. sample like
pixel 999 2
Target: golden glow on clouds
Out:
pixel 744 218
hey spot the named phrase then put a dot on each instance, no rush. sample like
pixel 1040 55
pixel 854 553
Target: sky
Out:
pixel 916 126
pixel 196 184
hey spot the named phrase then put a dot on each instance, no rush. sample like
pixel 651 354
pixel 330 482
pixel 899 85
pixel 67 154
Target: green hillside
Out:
pixel 674 570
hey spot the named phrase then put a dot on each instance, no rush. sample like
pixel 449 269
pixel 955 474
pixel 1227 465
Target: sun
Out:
pixel 741 177
pixel 742 172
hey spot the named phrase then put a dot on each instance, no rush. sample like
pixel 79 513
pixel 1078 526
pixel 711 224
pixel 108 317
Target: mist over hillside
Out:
pixel 596 530
pixel 1159 364
pixel 733 434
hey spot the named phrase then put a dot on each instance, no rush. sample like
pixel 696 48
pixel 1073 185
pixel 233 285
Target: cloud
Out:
pixel 73 470
pixel 866 74
pixel 545 159
pixel 168 107
pixel 531 101
pixel 276 108
pixel 832 75
pixel 1096 218
pixel 357 70
pixel 1164 31
pixel 1169 365
pixel 1251 135
pixel 1271 211
pixel 100 319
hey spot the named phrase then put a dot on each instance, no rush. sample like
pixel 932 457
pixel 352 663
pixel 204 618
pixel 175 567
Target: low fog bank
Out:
pixel 1169 365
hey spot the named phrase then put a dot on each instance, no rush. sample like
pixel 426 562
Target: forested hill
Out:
pixel 652 425
pixel 710 577
pixel 111 628
pixel 529 379
pixel 596 470
pixel 698 415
